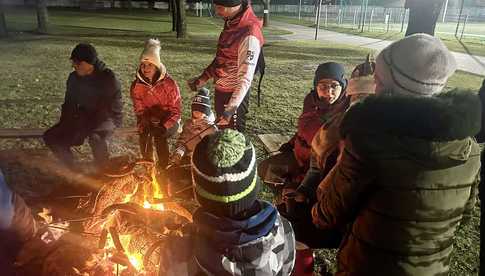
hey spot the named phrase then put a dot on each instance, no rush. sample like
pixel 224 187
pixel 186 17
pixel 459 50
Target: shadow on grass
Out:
pixel 467 50
pixel 287 52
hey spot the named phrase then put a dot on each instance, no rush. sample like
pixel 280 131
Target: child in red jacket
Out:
pixel 157 104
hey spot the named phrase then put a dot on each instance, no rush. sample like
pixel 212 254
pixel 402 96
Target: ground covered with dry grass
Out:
pixel 34 70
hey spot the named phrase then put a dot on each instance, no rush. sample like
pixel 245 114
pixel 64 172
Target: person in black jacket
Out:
pixel 92 108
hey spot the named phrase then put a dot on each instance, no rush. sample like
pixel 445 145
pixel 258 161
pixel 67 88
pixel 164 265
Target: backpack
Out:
pixel 260 66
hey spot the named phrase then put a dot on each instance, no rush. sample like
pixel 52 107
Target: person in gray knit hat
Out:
pixel 233 232
pixel 408 174
pixel 418 65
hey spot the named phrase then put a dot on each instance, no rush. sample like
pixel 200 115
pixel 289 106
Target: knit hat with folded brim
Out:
pixel 418 65
pixel 151 53
pixel 201 102
pixel 227 3
pixel 330 70
pixel 224 173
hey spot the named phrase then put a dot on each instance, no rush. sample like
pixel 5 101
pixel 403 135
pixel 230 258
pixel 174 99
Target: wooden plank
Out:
pixel 37 132
pixel 272 142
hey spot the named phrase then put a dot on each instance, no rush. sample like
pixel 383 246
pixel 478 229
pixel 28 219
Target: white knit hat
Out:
pixel 151 53
pixel 418 65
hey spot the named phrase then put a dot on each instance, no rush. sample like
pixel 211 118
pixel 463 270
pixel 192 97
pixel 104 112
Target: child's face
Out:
pixel 329 90
pixel 148 70
pixel 197 114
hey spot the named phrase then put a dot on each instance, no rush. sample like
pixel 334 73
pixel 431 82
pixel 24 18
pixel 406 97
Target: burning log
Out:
pixel 129 218
pixel 132 219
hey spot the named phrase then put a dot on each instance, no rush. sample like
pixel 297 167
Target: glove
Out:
pixel 143 123
pixel 176 157
pixel 286 147
pixel 158 129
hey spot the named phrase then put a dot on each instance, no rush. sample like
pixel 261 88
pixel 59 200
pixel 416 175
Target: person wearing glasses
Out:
pixel 92 109
pixel 327 97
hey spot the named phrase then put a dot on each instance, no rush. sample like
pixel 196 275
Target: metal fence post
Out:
pixel 326 15
pixel 389 21
pixel 403 19
pixel 299 10
pixel 355 16
pixel 318 19
pixel 459 18
pixel 464 25
pixel 445 11
pixel 365 15
pixel 371 18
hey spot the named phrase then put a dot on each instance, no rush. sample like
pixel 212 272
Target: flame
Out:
pixel 157 193
pixel 46 215
pixel 135 258
pixel 136 261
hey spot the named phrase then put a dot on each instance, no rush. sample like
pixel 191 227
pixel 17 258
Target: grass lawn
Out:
pixel 34 70
pixel 473 45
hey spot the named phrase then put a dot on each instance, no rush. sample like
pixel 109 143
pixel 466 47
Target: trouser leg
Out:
pixel 161 145
pixel 146 145
pixel 53 139
pixel 99 146
pixel 238 120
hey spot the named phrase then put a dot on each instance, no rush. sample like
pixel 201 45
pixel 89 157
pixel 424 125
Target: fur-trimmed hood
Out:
pixel 448 116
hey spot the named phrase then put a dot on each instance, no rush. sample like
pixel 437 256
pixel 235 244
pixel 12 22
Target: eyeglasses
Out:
pixel 327 86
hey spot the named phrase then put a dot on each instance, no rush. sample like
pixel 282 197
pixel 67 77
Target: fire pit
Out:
pixel 133 218
pixel 124 226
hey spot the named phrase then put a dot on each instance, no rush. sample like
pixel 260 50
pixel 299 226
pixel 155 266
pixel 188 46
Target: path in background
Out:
pixel 467 63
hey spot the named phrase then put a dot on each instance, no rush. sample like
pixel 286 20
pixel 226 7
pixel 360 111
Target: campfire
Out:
pixel 130 218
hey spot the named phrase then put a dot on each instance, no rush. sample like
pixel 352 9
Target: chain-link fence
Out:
pixel 380 19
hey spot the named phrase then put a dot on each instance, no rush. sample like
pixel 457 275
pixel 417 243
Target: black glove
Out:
pixel 286 147
pixel 158 130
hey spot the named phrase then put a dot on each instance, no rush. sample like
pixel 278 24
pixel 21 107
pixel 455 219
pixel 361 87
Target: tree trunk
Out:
pixel 151 4
pixel 266 13
pixel 423 16
pixel 173 12
pixel 3 22
pixel 42 16
pixel 181 19
pixel 112 4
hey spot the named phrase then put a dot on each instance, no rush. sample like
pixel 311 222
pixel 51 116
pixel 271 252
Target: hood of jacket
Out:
pixel 228 232
pixel 262 244
pixel 245 18
pixel 141 79
pixel 435 131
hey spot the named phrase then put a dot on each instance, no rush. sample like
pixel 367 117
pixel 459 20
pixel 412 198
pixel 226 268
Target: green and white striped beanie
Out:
pixel 224 173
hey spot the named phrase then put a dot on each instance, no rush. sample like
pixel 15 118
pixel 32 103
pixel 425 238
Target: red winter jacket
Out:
pixel 237 55
pixel 163 97
pixel 308 124
pixel 315 112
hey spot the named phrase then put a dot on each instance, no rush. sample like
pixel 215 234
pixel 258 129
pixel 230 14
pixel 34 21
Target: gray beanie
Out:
pixel 418 65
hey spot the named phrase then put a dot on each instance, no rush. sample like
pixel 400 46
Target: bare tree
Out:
pixel 42 16
pixel 173 12
pixel 423 15
pixel 266 13
pixel 3 22
pixel 181 19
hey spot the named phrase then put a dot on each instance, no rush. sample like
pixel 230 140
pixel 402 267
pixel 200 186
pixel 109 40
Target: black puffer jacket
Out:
pixel 93 103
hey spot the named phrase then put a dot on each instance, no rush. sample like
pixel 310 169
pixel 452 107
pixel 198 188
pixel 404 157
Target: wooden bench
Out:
pixel 12 133
pixel 272 142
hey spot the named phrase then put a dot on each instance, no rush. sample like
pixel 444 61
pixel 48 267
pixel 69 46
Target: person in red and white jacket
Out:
pixel 157 104
pixel 233 67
